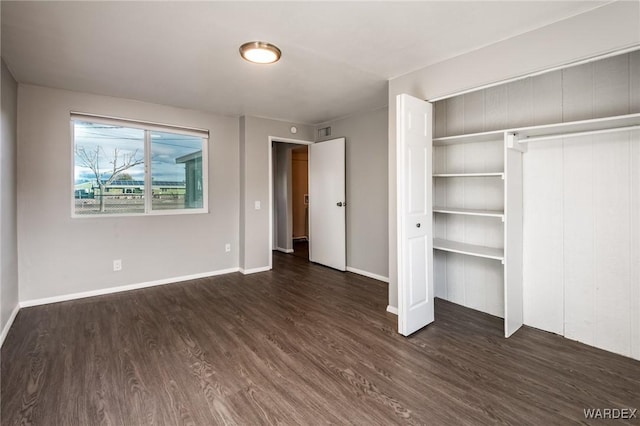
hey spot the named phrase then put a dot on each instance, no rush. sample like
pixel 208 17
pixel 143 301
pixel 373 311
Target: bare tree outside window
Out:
pixel 109 169
pixel 118 160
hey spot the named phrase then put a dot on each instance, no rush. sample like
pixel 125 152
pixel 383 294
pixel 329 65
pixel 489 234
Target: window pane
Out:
pixel 176 171
pixel 109 169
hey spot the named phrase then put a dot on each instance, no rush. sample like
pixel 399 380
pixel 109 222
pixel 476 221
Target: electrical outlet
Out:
pixel 227 247
pixel 117 265
pixel 256 205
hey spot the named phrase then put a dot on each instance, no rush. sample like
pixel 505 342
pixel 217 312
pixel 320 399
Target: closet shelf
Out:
pixel 469 212
pixel 550 131
pixel 497 135
pixel 468 249
pixel 489 174
pixel 577 128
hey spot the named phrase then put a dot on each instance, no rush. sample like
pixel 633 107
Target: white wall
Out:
pixel 8 225
pixel 254 177
pixel 367 185
pixel 581 202
pixel 59 255
pixel 613 26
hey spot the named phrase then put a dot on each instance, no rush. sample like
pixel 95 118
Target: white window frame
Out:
pixel 148 127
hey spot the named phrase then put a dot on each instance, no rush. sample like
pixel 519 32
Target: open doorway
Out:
pixel 321 216
pixel 300 200
pixel 290 197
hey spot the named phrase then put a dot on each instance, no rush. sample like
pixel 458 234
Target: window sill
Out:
pixel 154 213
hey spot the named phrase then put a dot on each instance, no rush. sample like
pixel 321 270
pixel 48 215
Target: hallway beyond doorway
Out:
pixel 301 249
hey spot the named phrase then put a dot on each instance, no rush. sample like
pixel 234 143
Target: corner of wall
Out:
pixel 9 285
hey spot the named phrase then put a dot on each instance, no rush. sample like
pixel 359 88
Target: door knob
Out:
pixel 417 225
pixel 339 204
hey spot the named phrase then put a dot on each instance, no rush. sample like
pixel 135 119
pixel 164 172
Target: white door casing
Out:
pixel 327 204
pixel 415 221
pixel 272 216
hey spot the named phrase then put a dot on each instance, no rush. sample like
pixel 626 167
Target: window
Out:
pixel 130 167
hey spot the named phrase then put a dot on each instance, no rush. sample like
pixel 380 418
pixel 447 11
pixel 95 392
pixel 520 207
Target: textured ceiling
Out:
pixel 337 56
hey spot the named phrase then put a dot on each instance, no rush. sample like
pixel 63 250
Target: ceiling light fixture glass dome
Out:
pixel 260 52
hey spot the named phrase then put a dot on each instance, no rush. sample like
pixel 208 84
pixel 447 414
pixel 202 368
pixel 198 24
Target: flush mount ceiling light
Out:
pixel 260 52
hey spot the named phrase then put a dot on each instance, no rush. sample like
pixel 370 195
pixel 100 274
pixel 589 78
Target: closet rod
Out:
pixel 570 135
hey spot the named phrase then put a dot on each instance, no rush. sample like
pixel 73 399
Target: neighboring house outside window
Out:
pixel 193 184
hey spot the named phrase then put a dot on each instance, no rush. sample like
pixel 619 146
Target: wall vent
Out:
pixel 324 132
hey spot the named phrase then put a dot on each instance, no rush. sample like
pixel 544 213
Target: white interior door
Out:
pixel 415 222
pixel 327 204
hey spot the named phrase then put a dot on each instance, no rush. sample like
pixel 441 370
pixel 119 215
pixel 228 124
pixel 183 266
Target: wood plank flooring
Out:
pixel 301 344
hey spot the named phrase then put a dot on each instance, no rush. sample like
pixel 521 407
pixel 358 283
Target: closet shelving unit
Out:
pixel 515 142
pixel 456 246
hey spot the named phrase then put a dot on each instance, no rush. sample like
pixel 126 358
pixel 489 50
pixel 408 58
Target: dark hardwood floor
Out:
pixel 302 344
pixel 301 249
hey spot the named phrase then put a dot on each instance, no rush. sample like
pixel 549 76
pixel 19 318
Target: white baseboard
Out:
pixel 368 274
pixel 255 270
pixel 284 250
pixel 7 326
pixel 392 310
pixel 82 295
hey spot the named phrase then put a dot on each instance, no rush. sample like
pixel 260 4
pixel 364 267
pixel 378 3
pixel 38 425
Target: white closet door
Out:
pixel 415 222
